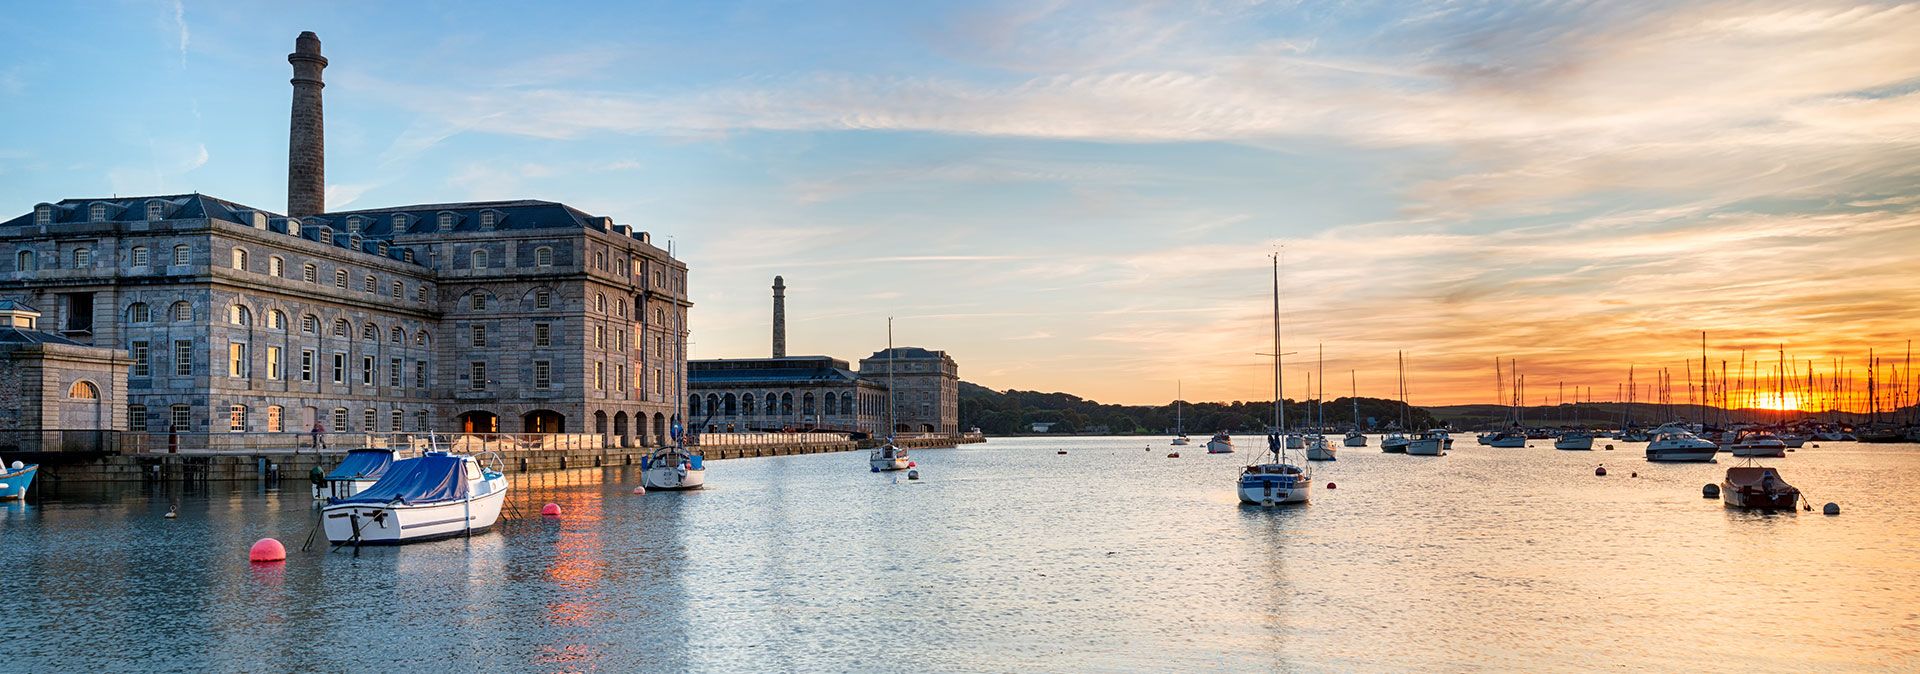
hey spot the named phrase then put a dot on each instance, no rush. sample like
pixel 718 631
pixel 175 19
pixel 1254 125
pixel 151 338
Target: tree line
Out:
pixel 1014 411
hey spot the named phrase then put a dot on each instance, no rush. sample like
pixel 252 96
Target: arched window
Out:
pixel 341 328
pixel 746 404
pixel 420 338
pixel 600 302
pixel 309 324
pixel 806 404
pixel 446 224
pixel 846 405
pixel 713 404
pixel 310 273
pixel 82 258
pixel 832 403
pixel 370 284
pixel 140 256
pixel 23 261
pixel 370 332
pixel 326 235
pixel 693 405
pixel 83 390
pixel 786 404
pixel 276 319
pixel 43 214
pixel 620 308
pixel 240 259
pixel 97 213
pixel 181 254
pixel 543 257
pixel 139 313
pixel 276 266
pixel 181 311
pixel 479 300
pixel 397 335
pixel 238 315
pixel 479 259
pixel 340 279
pixel 730 404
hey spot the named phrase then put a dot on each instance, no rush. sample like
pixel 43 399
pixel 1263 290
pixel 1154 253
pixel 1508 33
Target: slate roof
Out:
pixel 179 207
pixel 907 353
pixel 13 335
pixel 787 370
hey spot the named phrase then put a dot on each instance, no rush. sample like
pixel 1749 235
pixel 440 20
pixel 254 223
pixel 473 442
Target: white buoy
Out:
pixel 1831 509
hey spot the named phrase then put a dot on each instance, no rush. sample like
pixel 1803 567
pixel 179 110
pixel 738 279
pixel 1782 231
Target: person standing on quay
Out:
pixel 319 436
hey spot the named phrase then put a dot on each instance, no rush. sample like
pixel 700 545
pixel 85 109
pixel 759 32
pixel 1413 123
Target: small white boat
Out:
pixel 1181 441
pixel 1574 440
pixel 1674 443
pixel 435 495
pixel 1220 444
pixel 888 458
pixel 1793 441
pixel 1507 440
pixel 1273 484
pixel 15 480
pixel 1431 443
pixel 1355 439
pixel 673 469
pixel 1318 449
pixel 1752 444
pixel 1395 443
pixel 357 471
pixel 1296 441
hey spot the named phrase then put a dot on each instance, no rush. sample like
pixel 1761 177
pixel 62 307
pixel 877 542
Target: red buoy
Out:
pixel 267 550
pixel 642 489
pixel 551 510
pixel 1331 485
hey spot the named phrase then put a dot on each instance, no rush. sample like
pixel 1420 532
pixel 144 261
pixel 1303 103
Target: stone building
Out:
pixel 503 316
pixel 56 393
pixel 925 385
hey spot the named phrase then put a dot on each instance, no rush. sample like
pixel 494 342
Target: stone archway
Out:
pixel 659 429
pixel 620 429
pixel 477 421
pixel 544 421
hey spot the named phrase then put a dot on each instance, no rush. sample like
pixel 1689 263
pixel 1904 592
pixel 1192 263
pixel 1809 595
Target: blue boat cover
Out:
pixel 363 464
pixel 428 479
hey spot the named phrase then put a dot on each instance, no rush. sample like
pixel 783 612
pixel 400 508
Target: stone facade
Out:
pixel 54 391
pixel 793 393
pixel 236 319
pixel 925 385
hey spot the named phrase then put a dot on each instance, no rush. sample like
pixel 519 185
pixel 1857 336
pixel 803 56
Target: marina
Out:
pixel 799 560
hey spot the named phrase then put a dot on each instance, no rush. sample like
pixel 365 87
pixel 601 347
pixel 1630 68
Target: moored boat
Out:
pixel 15 479
pixel 1574 440
pixel 1355 439
pixel 1430 443
pixel 888 457
pixel 1758 488
pixel 1674 443
pixel 1394 443
pixel 357 471
pixel 1757 443
pixel 1318 449
pixel 435 495
pixel 1507 440
pixel 673 468
pixel 1221 443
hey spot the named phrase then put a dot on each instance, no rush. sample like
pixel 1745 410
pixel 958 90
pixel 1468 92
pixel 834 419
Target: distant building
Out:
pixel 925 385
pixel 56 393
pixel 1043 426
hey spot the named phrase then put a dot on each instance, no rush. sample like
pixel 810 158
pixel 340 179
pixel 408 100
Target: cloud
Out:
pixel 180 29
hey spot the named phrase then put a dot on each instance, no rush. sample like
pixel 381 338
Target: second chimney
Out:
pixel 306 137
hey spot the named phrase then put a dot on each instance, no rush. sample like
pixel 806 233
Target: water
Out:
pixel 1007 557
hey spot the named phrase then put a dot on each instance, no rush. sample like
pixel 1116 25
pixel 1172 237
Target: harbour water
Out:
pixel 1006 557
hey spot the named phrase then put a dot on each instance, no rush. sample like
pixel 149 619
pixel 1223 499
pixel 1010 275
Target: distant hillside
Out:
pixel 1013 411
pixel 1607 414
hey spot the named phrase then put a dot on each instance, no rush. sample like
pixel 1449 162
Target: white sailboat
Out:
pixel 1179 420
pixel 1220 443
pixel 1318 449
pixel 889 457
pixel 435 495
pixel 1276 482
pixel 674 467
pixel 1354 437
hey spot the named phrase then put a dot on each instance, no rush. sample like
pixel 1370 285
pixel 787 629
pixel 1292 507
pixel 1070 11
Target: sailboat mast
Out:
pixel 1279 405
pixel 891 424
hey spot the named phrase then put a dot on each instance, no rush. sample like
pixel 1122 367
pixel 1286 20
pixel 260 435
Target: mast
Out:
pixel 891 425
pixel 1703 381
pixel 1279 405
pixel 1353 380
pixel 1179 406
pixel 1320 398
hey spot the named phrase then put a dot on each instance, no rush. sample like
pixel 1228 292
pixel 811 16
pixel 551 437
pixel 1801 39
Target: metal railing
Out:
pixel 61 441
pixel 764 439
pixel 291 442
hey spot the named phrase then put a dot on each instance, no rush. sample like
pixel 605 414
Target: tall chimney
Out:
pixel 306 138
pixel 779 317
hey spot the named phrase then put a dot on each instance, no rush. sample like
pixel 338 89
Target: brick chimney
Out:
pixel 779 317
pixel 306 137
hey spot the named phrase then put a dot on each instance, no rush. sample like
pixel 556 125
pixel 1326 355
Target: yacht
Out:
pixel 1507 439
pixel 1355 439
pixel 1296 441
pixel 1574 440
pixel 673 468
pixel 1318 449
pixel 1758 443
pixel 1221 443
pixel 1430 443
pixel 887 457
pixel 1758 488
pixel 359 470
pixel 435 495
pixel 15 479
pixel 1673 442
pixel 1179 418
pixel 1394 443
pixel 1279 481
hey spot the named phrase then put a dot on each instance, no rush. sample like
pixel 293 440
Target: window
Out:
pixel 599 337
pixel 420 339
pixel 382 247
pixel 23 261
pixel 276 319
pixel 156 210
pixel 309 324
pixel 396 335
pixel 542 334
pixel 393 373
pixel 406 254
pixel 273 362
pixel 599 259
pixel 341 328
pixel 142 359
pixel 399 222
pixel 479 335
pixel 180 253
pixel 366 370
pixel 620 309
pixel 446 223
pixel 136 417
pixel 542 374
pixel 542 299
pixel 306 365
pixel 479 260
pixel 543 257
pixel 370 332
pixel 600 303
pixel 183 358
pixel 339 419
pixel 238 315
pixel 237 418
pixel 339 368
pixel 420 420
pixel 599 376
pixel 181 311
pixel 479 301
pixel 369 284
pixel 310 273
pixel 369 418
pixel 477 375
pixel 486 219
pixel 276 266
pixel 620 375
pixel 83 390
pixel 326 235
pixel 420 294
pixel 140 257
pixel 97 213
pixel 394 420
pixel 237 360
pixel 398 289
pixel 620 340
pixel 82 258
pixel 139 313
pixel 180 418
pixel 43 214
pixel 340 279
pixel 240 259
pixel 420 374
pixel 273 419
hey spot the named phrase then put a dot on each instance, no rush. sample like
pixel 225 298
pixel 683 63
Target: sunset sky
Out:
pixel 1082 196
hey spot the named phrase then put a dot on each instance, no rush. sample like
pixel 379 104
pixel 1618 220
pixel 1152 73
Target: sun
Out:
pixel 1788 401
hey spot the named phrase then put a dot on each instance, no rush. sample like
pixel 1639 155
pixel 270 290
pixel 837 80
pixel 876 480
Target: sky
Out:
pixel 1082 197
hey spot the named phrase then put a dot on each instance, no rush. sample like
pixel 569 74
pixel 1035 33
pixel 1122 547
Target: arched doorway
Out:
pixel 600 426
pixel 477 421
pixel 544 421
pixel 620 429
pixel 659 429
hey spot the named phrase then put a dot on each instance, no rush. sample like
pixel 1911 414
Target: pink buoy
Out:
pixel 913 464
pixel 638 490
pixel 550 510
pixel 1331 485
pixel 267 550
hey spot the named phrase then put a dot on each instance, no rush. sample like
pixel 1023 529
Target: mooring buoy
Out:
pixel 1710 491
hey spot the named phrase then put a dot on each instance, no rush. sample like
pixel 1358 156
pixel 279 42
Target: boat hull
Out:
pixel 1322 454
pixel 1693 455
pixel 1181 442
pixel 1218 447
pixel 888 465
pixel 1511 442
pixel 1574 444
pixel 1355 441
pixel 1426 447
pixel 1755 499
pixel 400 523
pixel 1393 446
pixel 671 478
pixel 1760 451
pixel 1260 491
pixel 14 483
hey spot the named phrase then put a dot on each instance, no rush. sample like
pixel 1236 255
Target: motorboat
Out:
pixel 1574 440
pixel 1318 449
pixel 1394 443
pixel 1507 440
pixel 1758 488
pixel 674 468
pixel 1181 441
pixel 1758 443
pixel 359 470
pixel 1221 443
pixel 1355 439
pixel 1296 441
pixel 1793 440
pixel 1677 444
pixel 1430 443
pixel 15 479
pixel 434 495
pixel 888 457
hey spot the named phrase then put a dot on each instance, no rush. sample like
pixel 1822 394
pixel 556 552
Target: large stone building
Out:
pixel 55 393
pixel 504 316
pixel 787 393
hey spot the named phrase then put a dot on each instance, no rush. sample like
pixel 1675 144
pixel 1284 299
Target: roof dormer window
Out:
pixel 326 235
pixel 446 222
pixel 43 214
pixel 355 223
pixel 487 218
pixel 97 213
pixel 293 227
pixel 259 220
pixel 382 247
pixel 156 210
pixel 399 222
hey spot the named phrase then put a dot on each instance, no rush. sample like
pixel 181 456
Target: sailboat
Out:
pixel 1434 442
pixel 1179 423
pixel 1576 439
pixel 1318 449
pixel 1354 437
pixel 889 457
pixel 1220 443
pixel 674 467
pixel 1277 482
pixel 1396 442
